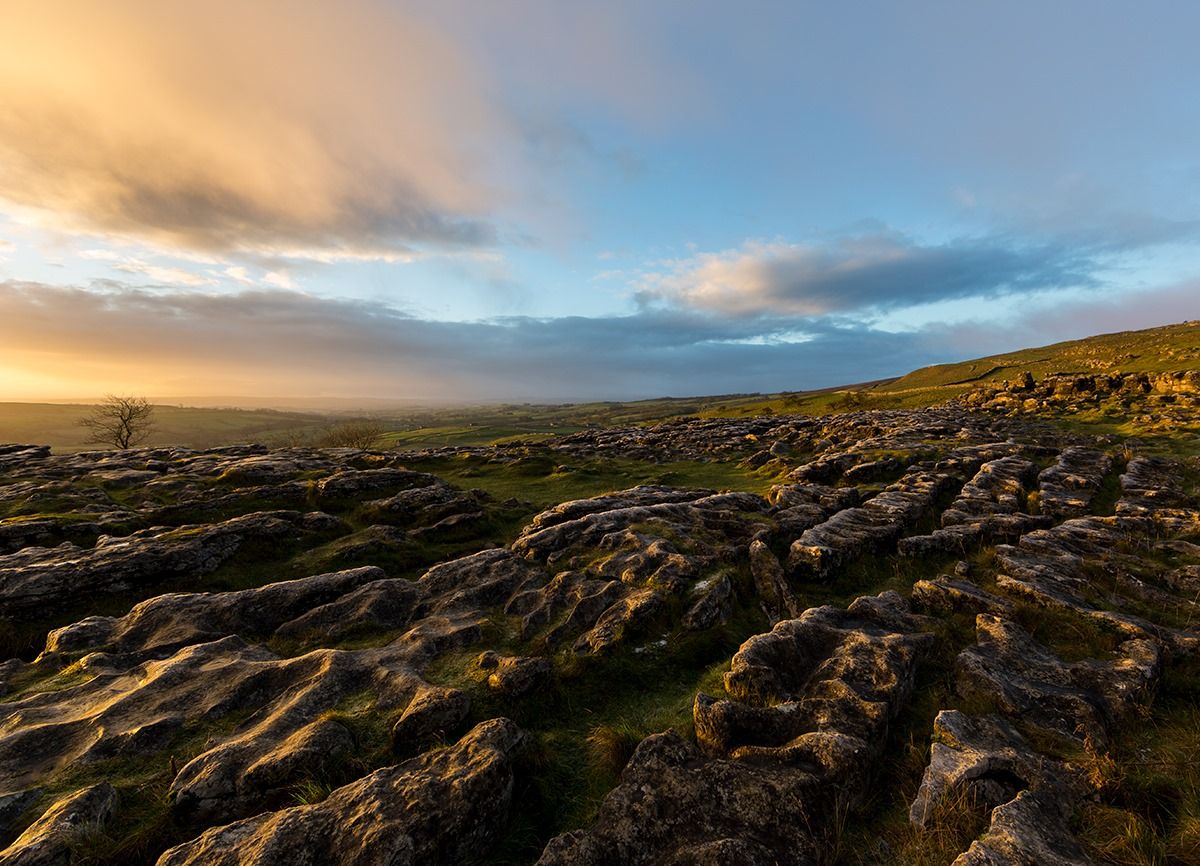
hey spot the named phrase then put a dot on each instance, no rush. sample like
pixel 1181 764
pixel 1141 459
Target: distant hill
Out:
pixel 1171 348
pixel 1166 349
pixel 1154 350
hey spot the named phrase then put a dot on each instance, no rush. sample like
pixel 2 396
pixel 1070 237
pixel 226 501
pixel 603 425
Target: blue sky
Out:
pixel 559 201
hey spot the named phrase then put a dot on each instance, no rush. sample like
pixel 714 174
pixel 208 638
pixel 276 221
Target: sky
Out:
pixel 555 200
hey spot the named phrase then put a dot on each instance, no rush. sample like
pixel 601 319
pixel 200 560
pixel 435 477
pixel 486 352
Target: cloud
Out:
pixel 268 126
pixel 881 270
pixel 239 274
pixel 282 343
pixel 279 279
pixel 161 274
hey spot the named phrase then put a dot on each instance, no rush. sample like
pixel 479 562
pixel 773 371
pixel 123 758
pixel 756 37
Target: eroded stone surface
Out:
pixel 1076 699
pixel 49 840
pixel 167 622
pixel 1029 797
pixel 248 694
pixel 441 807
pixel 36 576
pixel 812 702
pixel 873 527
pixel 1068 486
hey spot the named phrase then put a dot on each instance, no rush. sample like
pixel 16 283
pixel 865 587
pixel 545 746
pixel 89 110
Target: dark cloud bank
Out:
pixel 300 345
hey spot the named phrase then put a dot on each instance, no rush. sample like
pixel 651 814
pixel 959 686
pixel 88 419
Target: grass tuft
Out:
pixel 611 746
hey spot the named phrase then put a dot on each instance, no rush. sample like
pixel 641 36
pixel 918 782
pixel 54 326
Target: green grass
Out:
pixel 585 726
pixel 1069 635
pixel 1104 500
pixel 475 434
pixel 544 479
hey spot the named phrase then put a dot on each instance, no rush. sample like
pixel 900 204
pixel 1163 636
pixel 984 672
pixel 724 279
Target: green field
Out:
pixel 544 479
pixel 57 425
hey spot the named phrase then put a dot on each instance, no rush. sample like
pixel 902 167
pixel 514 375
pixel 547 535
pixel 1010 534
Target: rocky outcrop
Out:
pixel 1030 828
pixel 1153 398
pixel 873 527
pixel 775 596
pixel 1058 568
pixel 999 487
pixel 17 533
pixel 438 808
pixel 1150 487
pixel 944 594
pixel 1029 798
pixel 627 560
pixel 1067 487
pixel 168 622
pixel 53 838
pixel 810 708
pixel 676 806
pixel 985 760
pixel 633 497
pixel 514 676
pixel 378 607
pixel 547 538
pixel 35 577
pixel 1075 699
pixel 989 507
pixel 353 680
pixel 127 711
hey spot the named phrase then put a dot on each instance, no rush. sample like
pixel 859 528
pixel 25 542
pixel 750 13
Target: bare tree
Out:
pixel 351 434
pixel 120 421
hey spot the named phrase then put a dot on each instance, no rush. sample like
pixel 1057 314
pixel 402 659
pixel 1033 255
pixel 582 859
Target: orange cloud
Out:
pixel 224 126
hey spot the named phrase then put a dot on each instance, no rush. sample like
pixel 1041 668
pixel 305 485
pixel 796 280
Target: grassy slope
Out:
pixel 1155 350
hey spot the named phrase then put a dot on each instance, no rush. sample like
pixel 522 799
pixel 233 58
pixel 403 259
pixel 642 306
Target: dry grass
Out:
pixel 1149 788
pixel 956 821
pixel 1121 838
pixel 611 746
